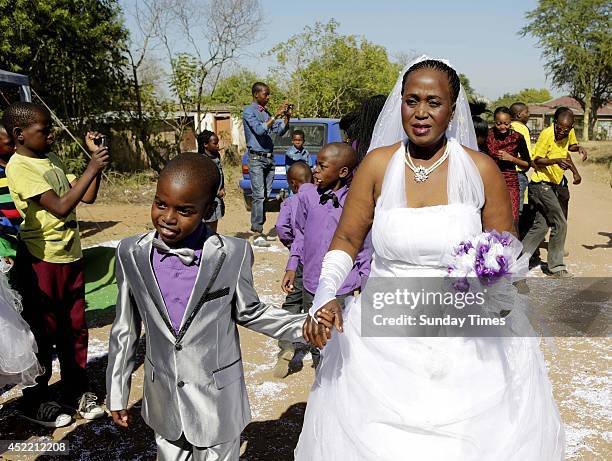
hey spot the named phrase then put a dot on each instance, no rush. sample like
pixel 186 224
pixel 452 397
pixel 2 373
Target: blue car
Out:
pixel 318 131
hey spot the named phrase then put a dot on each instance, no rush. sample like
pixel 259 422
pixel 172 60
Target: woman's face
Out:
pixel 427 107
pixel 502 122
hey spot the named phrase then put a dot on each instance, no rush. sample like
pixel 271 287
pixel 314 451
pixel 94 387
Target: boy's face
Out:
pixel 37 137
pixel 262 97
pixel 7 147
pixel 178 209
pixel 523 116
pixel 328 170
pixel 298 141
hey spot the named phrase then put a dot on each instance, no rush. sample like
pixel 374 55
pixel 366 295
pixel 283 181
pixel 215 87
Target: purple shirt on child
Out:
pixel 175 279
pixel 285 223
pixel 315 225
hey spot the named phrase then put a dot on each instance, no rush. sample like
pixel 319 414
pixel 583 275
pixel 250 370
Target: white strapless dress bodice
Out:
pixel 434 399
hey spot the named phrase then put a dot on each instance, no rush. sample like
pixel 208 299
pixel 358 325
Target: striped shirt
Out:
pixel 10 219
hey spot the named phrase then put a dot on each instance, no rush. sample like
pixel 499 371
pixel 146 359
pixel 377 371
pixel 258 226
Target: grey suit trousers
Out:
pixel 182 450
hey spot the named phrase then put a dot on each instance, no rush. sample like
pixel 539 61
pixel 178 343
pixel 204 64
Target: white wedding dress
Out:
pixel 429 399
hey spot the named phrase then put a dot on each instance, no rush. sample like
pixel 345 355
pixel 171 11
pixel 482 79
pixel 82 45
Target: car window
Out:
pixel 315 135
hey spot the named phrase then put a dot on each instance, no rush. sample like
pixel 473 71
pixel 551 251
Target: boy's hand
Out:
pixel 287 283
pixel 315 334
pixel 505 156
pixel 583 153
pixel 221 193
pixel 563 163
pixel 92 140
pixel 121 418
pixel 99 160
pixel 577 179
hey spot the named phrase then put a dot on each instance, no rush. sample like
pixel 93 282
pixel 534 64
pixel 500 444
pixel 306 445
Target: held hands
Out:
pixel 121 418
pixel 329 316
pixel 100 157
pixel 287 283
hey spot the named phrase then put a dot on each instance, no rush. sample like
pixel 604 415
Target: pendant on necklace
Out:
pixel 420 174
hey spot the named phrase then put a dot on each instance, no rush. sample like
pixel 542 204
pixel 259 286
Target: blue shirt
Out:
pixel 293 155
pixel 257 134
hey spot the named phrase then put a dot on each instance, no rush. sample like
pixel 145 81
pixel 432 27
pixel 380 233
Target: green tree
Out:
pixel 330 74
pixel 527 96
pixel 72 50
pixel 577 46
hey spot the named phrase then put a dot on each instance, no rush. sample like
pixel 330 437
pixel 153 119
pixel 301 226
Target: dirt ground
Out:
pixel 579 368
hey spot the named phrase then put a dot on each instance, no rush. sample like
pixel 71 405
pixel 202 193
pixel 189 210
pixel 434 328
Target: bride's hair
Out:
pixel 453 79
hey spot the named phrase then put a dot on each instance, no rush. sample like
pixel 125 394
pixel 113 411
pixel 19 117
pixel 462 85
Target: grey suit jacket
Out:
pixel 194 380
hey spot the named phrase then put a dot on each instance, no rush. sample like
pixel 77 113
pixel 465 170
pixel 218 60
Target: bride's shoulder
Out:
pixel 485 164
pixel 378 159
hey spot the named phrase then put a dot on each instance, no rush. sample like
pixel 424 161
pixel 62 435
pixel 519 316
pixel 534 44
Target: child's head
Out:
pixel 502 119
pixel 520 112
pixel 186 191
pixel 261 93
pixel 208 141
pixel 334 164
pixel 481 127
pixel 298 174
pixel 29 125
pixel 7 146
pixel 297 139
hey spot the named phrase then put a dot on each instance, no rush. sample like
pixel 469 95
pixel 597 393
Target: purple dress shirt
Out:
pixel 175 279
pixel 285 223
pixel 315 225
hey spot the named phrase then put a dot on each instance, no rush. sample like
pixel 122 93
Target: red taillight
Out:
pixel 245 169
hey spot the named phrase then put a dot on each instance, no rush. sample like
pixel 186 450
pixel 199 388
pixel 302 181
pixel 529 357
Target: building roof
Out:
pixel 549 107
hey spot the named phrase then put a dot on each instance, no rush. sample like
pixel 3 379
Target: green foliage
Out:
pixel 72 50
pixel 577 46
pixel 526 96
pixel 330 74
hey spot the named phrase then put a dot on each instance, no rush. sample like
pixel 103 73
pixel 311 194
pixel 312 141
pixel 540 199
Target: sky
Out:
pixel 479 37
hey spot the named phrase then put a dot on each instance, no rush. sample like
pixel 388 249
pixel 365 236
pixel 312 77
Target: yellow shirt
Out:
pixel 46 236
pixel 522 129
pixel 547 147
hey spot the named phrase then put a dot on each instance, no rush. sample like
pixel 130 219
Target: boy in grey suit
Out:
pixel 191 288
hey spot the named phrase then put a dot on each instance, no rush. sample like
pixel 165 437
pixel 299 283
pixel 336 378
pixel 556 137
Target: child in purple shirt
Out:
pixel 318 213
pixel 289 357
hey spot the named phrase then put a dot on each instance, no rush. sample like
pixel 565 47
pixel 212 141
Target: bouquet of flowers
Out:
pixel 487 257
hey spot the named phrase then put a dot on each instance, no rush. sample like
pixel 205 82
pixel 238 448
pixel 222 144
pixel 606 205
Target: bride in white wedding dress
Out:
pixel 423 399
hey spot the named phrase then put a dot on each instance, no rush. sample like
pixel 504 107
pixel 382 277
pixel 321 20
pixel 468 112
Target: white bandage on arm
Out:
pixel 336 266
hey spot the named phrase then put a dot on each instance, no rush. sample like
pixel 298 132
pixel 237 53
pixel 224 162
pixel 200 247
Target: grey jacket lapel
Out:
pixel 212 257
pixel 142 255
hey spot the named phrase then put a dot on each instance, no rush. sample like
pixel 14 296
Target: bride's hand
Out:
pixel 331 315
pixel 315 333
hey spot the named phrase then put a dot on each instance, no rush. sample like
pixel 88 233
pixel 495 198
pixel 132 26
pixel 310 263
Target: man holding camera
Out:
pixel 259 124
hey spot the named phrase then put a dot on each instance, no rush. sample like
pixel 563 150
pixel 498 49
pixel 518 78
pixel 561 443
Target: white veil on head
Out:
pixel 389 130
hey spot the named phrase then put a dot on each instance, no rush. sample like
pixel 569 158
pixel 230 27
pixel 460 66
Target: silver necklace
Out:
pixel 421 174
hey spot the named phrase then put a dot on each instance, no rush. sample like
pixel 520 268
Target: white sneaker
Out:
pixel 88 408
pixel 270 238
pixel 260 242
pixel 49 414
